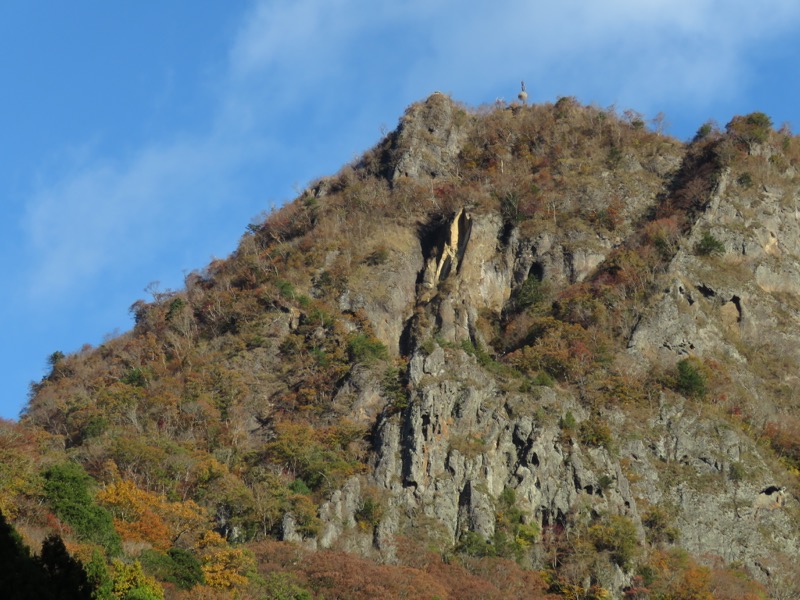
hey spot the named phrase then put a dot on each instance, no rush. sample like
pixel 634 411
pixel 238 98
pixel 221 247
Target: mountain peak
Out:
pixel 539 332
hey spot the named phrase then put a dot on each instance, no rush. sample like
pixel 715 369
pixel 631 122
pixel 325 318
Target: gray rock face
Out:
pixel 339 512
pixel 463 438
pixel 742 306
pixel 429 139
pixel 387 295
pixel 698 468
pixel 462 441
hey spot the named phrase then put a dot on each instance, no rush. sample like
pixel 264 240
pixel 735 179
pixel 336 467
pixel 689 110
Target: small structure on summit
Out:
pixel 523 95
pixel 770 498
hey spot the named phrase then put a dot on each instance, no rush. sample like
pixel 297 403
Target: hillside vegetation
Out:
pixel 511 352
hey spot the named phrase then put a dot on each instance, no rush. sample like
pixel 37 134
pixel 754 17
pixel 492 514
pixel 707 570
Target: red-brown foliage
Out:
pixel 335 574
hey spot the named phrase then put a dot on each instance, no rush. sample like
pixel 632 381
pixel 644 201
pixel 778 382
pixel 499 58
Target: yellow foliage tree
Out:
pixel 224 566
pixel 17 466
pixel 129 579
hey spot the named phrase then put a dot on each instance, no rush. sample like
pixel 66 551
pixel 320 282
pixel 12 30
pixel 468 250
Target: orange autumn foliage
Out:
pixel 676 575
pixel 143 516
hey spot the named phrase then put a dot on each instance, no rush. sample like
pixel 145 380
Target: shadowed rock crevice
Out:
pixel 737 302
pixel 706 291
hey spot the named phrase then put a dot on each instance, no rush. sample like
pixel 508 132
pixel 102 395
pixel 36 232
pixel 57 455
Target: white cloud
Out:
pixel 638 51
pixel 104 215
pixel 691 51
pixel 306 37
pixel 314 56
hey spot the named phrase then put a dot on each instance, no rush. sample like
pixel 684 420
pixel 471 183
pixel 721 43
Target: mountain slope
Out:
pixel 534 333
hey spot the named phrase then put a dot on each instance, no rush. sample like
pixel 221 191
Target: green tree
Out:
pixel 617 536
pixel 705 130
pixel 691 381
pixel 709 245
pixel 474 544
pixel 363 348
pixel 178 566
pixel 658 522
pixel 750 129
pixel 99 577
pixel 532 291
pixel 512 536
pixel 67 490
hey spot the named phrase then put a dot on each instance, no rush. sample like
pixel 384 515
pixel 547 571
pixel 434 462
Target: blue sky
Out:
pixel 138 139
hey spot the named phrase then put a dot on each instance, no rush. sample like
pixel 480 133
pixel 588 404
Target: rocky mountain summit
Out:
pixel 543 334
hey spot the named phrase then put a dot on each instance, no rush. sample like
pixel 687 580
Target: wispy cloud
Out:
pixel 685 50
pixel 106 214
pixel 313 57
pixel 93 215
pixel 639 53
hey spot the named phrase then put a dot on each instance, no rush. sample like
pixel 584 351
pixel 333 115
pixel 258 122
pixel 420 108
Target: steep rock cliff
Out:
pixel 466 433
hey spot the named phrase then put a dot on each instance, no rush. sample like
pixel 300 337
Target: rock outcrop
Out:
pixel 428 141
pixel 464 435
